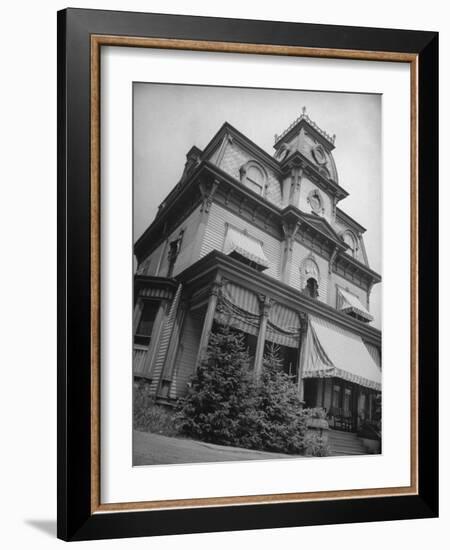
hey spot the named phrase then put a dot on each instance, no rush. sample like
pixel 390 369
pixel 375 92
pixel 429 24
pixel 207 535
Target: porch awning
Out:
pixel 283 327
pixel 243 245
pixel 331 351
pixel 350 302
pixel 239 308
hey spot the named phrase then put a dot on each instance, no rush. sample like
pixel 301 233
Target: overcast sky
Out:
pixel 169 119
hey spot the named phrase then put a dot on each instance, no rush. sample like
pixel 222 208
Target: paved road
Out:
pixel 160 449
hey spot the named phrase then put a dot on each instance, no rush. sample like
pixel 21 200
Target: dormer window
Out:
pixel 254 177
pixel 350 240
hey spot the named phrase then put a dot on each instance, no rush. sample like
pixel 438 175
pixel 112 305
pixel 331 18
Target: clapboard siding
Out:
pixel 185 257
pixel 187 354
pixel 299 254
pixel 139 357
pixel 215 236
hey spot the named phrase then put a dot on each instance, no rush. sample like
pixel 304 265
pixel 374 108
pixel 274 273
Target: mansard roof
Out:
pixel 351 222
pixel 245 142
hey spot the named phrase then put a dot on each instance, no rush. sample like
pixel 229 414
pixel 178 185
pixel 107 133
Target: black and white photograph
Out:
pixel 257 322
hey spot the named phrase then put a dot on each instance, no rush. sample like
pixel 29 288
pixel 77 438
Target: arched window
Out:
pixel 254 177
pixel 310 277
pixel 312 288
pixel 316 202
pixel 350 240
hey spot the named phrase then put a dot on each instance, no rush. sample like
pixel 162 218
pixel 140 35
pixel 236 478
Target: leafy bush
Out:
pixel 316 445
pixel 150 417
pixel 224 404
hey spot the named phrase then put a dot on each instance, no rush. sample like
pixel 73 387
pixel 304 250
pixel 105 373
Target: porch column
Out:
pixel 302 340
pixel 208 321
pixel 265 304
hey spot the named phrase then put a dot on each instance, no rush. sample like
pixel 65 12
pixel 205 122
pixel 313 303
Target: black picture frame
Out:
pixel 76 521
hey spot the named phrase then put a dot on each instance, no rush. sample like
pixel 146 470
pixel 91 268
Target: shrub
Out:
pixel 150 417
pixel 276 421
pixel 218 396
pixel 316 445
pixel 224 405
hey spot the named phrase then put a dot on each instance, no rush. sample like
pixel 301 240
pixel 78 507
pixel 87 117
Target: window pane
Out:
pixel 147 319
pixel 254 186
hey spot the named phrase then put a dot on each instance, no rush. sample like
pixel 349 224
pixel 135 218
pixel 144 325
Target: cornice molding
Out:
pixel 370 274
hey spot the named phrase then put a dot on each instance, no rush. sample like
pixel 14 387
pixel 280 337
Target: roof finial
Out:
pixel 303 110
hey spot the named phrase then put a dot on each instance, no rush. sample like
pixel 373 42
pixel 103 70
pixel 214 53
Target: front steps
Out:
pixel 345 443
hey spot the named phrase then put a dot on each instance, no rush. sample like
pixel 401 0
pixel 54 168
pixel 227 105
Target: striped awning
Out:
pixel 283 327
pixel 331 351
pixel 239 308
pixel 243 245
pixel 348 302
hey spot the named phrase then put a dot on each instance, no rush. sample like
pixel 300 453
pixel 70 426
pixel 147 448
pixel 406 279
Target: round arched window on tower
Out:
pixel 315 201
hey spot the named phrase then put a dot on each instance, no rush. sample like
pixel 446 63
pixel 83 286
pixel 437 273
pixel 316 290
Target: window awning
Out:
pixel 350 303
pixel 331 351
pixel 237 243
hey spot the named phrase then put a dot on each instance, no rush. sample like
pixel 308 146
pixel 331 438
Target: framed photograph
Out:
pixel 248 295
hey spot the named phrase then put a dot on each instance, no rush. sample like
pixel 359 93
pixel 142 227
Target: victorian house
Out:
pixel 259 242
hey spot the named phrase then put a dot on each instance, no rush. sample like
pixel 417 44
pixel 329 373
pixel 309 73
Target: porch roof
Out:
pixel 331 351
